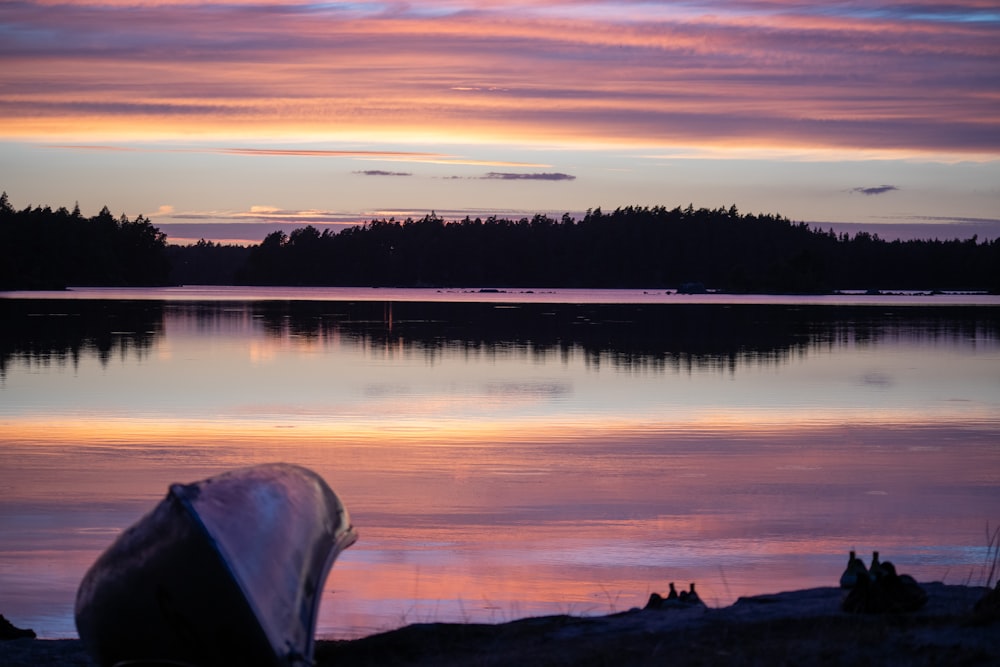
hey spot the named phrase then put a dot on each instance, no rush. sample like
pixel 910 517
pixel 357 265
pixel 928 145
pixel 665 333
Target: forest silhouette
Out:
pixel 632 247
pixel 46 249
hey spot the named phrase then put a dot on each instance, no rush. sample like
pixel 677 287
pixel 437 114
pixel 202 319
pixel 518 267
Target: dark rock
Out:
pixel 9 631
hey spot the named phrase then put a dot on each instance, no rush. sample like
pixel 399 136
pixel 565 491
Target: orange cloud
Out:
pixel 915 77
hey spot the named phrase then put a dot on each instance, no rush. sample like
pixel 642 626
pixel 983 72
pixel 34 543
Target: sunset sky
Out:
pixel 227 120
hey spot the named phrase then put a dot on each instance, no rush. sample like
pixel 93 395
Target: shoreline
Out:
pixel 794 627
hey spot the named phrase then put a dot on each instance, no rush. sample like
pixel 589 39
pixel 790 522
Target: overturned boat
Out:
pixel 226 571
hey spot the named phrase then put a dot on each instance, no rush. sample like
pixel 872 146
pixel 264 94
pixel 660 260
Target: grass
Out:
pixel 991 568
pixel 938 637
pixel 987 574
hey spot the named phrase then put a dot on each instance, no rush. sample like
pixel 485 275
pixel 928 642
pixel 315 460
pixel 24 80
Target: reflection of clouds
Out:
pixel 383 389
pixel 538 389
pixel 877 379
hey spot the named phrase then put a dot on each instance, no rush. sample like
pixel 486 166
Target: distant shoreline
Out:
pixel 654 247
pixel 611 295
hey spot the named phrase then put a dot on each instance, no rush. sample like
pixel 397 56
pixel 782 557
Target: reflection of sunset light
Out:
pixel 490 522
pixel 261 352
pixel 376 431
pixel 493 481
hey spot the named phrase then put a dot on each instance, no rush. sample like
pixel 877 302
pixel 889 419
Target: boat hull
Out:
pixel 227 571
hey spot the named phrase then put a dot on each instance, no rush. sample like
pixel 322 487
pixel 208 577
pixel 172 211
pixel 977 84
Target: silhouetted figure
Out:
pixel 902 592
pixel 690 597
pixel 875 570
pixel 674 600
pixel 861 598
pixel 9 631
pixel 889 593
pixel 855 569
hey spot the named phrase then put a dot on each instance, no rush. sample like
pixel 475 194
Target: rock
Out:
pixel 10 631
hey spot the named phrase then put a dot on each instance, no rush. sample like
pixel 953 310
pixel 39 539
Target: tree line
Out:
pixel 51 249
pixel 630 247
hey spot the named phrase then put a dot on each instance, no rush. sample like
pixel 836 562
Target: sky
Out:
pixel 227 120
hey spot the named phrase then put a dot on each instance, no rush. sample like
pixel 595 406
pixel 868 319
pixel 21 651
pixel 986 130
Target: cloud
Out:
pixel 900 76
pixel 965 220
pixel 95 148
pixel 422 157
pixel 298 152
pixel 876 190
pixel 259 214
pixel 380 172
pixel 508 176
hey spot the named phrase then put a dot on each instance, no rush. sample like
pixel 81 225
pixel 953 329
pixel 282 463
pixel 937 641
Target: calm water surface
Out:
pixel 510 454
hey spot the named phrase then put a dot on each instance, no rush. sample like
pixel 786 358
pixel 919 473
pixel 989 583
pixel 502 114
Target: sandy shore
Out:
pixel 793 628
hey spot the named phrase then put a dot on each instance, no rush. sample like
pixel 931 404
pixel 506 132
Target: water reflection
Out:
pixel 626 336
pixel 510 459
pixel 61 332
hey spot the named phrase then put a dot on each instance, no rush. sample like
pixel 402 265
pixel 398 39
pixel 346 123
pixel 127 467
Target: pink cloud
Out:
pixel 914 76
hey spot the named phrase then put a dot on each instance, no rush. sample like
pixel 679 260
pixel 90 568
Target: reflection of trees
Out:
pixel 677 337
pixel 634 337
pixel 59 332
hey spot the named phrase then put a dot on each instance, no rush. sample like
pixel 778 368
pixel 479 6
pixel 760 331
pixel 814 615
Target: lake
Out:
pixel 511 453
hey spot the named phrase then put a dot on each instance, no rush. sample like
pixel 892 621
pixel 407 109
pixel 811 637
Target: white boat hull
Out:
pixel 227 571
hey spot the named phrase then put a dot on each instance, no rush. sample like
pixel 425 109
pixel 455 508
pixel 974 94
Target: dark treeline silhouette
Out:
pixel 206 263
pixel 647 247
pixel 46 249
pixel 636 247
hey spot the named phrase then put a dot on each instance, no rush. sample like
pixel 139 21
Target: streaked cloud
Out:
pixel 298 152
pixel 973 221
pixel 269 214
pixel 875 190
pixel 265 215
pixel 509 176
pixel 382 172
pixel 371 155
pixel 95 148
pixel 265 152
pixel 891 75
